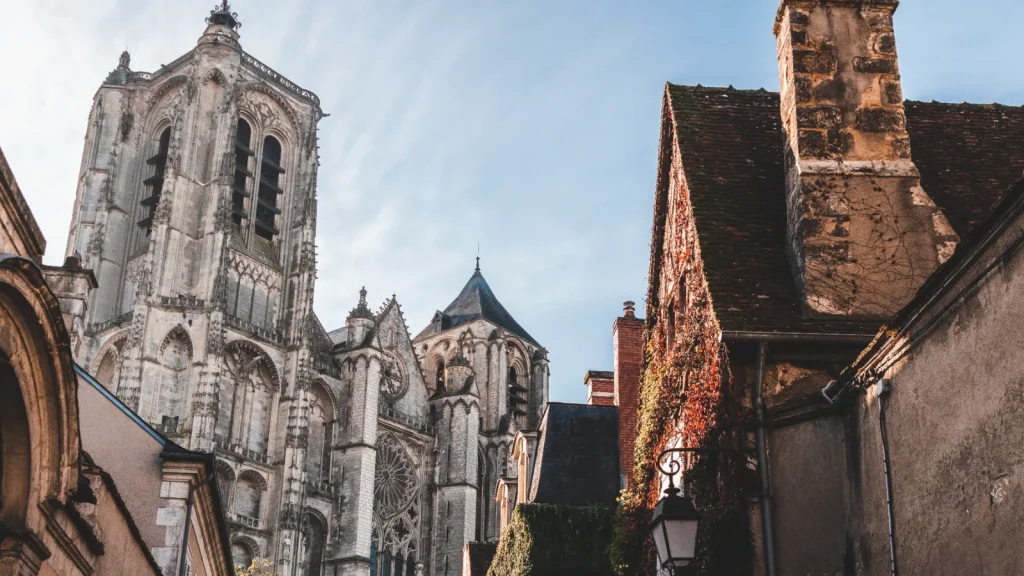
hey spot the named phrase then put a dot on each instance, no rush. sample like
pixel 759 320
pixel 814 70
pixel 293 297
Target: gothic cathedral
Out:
pixel 358 451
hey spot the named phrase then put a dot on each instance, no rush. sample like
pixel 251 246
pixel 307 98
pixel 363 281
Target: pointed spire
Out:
pixel 221 15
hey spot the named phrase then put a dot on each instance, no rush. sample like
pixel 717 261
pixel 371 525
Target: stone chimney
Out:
pixel 600 388
pixel 628 354
pixel 72 285
pixel 863 234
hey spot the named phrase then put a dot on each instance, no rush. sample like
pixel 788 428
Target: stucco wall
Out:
pixel 956 424
pixel 808 477
pixel 128 454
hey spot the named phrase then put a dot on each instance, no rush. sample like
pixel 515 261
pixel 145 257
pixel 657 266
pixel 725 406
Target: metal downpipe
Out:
pixel 767 520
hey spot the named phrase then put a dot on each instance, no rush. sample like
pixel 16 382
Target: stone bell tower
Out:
pixel 196 209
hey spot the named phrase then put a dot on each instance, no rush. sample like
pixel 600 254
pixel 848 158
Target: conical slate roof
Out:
pixel 476 301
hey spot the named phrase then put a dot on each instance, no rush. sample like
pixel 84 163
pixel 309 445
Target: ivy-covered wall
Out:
pixel 687 397
pixel 552 540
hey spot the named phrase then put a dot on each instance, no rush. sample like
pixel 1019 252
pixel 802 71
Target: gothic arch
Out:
pixel 261 358
pixel 249 388
pixel 173 380
pixel 39 435
pixel 107 363
pixel 314 539
pixel 225 475
pixel 255 476
pixel 180 334
pixel 244 92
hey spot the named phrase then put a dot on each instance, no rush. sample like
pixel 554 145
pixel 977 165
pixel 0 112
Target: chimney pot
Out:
pixel 628 308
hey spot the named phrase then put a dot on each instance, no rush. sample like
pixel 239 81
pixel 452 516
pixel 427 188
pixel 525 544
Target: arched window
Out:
pixel 108 371
pixel 321 425
pixel 172 384
pixel 155 183
pixel 248 498
pixel 517 400
pixel 240 187
pixel 247 394
pixel 225 479
pixel 439 379
pixel 313 545
pixel 266 201
pixel 241 554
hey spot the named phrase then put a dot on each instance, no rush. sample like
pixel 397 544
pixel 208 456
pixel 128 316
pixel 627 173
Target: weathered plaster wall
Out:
pixel 956 425
pixel 808 476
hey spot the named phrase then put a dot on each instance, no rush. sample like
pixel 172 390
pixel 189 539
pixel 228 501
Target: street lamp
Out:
pixel 674 528
pixel 675 520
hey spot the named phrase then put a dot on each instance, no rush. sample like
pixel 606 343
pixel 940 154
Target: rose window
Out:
pixel 394 482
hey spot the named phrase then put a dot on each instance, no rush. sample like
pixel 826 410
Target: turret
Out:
pixel 359 323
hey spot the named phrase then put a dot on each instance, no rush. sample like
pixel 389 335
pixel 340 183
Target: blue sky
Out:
pixel 529 127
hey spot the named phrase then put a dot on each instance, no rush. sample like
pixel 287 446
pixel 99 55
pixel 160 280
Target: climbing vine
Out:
pixel 686 399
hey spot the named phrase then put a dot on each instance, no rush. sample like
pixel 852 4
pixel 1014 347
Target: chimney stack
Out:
pixel 628 352
pixel 863 234
pixel 600 388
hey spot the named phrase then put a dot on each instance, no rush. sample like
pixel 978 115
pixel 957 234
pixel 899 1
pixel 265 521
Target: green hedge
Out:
pixel 550 540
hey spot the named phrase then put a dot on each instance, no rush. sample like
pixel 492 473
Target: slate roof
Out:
pixel 731 143
pixel 577 462
pixel 476 301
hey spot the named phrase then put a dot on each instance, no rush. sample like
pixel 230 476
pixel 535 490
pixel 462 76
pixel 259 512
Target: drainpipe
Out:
pixel 767 522
pixel 183 553
pixel 883 389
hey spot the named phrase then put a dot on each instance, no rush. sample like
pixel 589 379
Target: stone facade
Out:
pixel 362 450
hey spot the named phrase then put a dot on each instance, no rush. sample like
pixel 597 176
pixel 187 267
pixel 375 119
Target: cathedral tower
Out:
pixel 196 210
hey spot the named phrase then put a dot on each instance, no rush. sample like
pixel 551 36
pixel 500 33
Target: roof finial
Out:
pixel 477 257
pixel 223 16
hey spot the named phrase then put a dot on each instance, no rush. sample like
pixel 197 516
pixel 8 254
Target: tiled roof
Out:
pixel 731 143
pixel 577 460
pixel 476 301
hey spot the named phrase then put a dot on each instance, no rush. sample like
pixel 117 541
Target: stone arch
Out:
pixel 173 380
pixel 39 436
pixel 314 538
pixel 249 389
pixel 243 551
pixel 225 482
pixel 107 363
pixel 288 111
pixel 322 418
pixel 250 487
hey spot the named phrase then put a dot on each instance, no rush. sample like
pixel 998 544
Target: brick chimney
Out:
pixel 628 352
pixel 600 388
pixel 863 234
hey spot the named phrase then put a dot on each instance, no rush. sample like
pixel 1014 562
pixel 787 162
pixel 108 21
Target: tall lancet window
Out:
pixel 517 401
pixel 439 377
pixel 240 187
pixel 266 202
pixel 155 183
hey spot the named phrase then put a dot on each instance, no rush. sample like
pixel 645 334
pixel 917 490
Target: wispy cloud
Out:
pixel 528 127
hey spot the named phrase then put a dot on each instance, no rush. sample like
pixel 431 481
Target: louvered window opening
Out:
pixel 155 183
pixel 240 186
pixel 266 200
pixel 517 401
